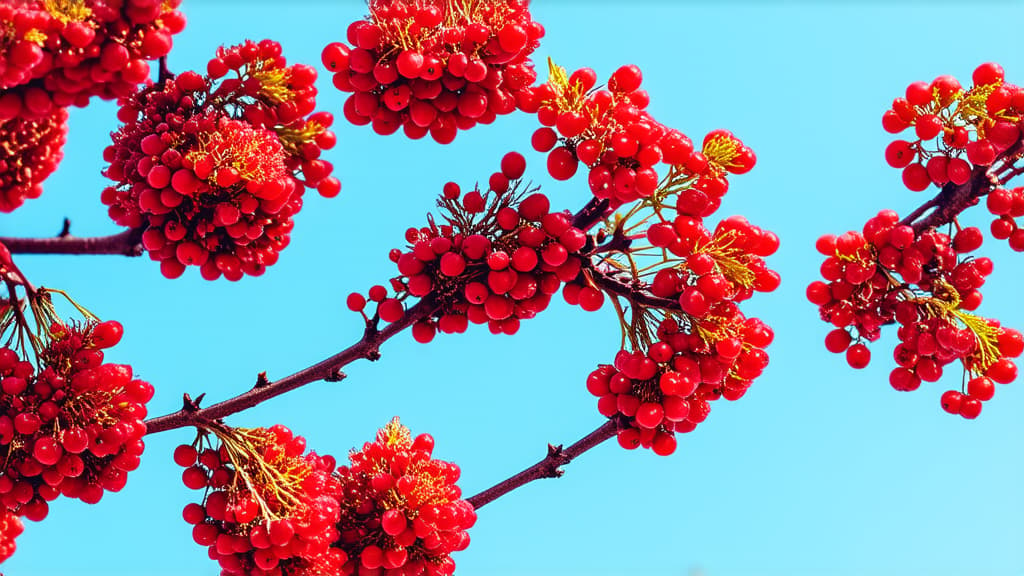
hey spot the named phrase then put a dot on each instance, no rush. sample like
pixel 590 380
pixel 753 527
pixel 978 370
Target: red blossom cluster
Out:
pixel 31 151
pixel 214 168
pixel 268 509
pixel 435 66
pixel 497 260
pixel 59 53
pixel 951 123
pixel 401 511
pixel 610 132
pixel 74 427
pixel 929 285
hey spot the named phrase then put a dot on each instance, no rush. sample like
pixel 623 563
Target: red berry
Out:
pixel 858 356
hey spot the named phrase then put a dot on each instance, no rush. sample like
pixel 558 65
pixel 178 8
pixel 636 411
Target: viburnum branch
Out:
pixel 952 200
pixel 164 73
pixel 549 467
pixel 367 347
pixel 127 243
pixel 615 284
pixel 595 211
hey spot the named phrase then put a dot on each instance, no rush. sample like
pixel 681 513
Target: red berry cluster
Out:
pixel 58 53
pixel 726 265
pixel 401 511
pixel 668 387
pixel 889 273
pixel 610 132
pixel 10 528
pixel 75 427
pixel 33 148
pixel 1007 204
pixel 434 66
pixel 267 510
pixel 980 123
pixel 497 261
pixel 214 171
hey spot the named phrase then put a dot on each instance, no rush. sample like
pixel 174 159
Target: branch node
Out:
pixel 554 450
pixel 190 405
pixel 262 380
pixel 336 375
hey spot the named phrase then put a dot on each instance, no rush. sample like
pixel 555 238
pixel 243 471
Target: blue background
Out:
pixel 819 469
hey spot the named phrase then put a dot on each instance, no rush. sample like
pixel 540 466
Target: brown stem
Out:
pixel 952 200
pixel 549 467
pixel 595 211
pixel 631 291
pixel 955 198
pixel 164 74
pixel 367 347
pixel 127 243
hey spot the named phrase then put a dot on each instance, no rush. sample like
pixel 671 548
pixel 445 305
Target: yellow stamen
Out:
pixel 721 151
pixel 731 261
pixel 67 10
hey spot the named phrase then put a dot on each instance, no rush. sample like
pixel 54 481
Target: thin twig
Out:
pixel 127 243
pixel 595 211
pixel 367 347
pixel 631 291
pixel 549 467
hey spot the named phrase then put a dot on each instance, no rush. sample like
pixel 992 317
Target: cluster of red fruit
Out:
pixel 58 53
pixel 75 427
pixel 215 171
pixel 980 123
pixel 268 509
pixel 436 66
pixel 10 528
pixel 401 511
pixel 497 261
pixel 668 387
pixel 889 273
pixel 610 132
pixel 1007 204
pixel 726 265
pixel 33 148
pixel 271 510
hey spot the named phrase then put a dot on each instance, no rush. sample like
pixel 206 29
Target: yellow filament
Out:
pixel 722 150
pixel 67 10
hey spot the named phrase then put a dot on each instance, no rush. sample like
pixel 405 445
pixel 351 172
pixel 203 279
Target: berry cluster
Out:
pixel 267 510
pixel 58 53
pixel 75 427
pixel 950 123
pixel 32 148
pixel 401 511
pixel 889 273
pixel 724 265
pixel 1007 204
pixel 434 66
pixel 610 132
pixel 10 528
pixel 668 387
pixel 214 170
pixel 497 261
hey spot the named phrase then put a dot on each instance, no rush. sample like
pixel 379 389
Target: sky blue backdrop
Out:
pixel 818 470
